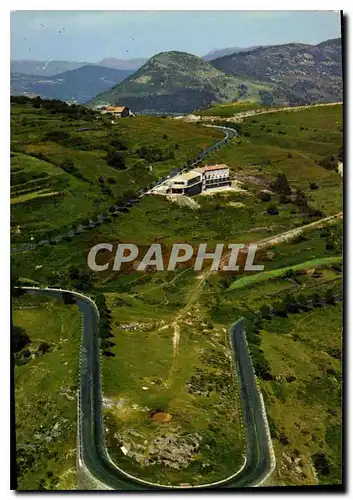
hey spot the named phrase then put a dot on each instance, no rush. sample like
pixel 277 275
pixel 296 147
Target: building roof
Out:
pixel 187 176
pixel 117 109
pixel 209 168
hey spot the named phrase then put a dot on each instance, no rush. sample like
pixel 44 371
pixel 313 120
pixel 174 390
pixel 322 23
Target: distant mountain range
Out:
pixel 178 82
pixel 79 85
pixel 299 73
pixel 51 68
pixel 216 53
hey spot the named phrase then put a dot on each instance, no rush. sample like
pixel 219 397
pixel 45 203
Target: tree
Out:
pixel 117 143
pixel 116 160
pixel 284 199
pixel 16 290
pixel 317 300
pixel 74 273
pixel 322 464
pixel 43 347
pixel 279 309
pixel 57 135
pixel 266 97
pixel 303 302
pixel 272 210
pixel 19 338
pixel 264 196
pixel 265 311
pixel 330 297
pixel 301 200
pixel 281 185
pixel 329 162
pixel 291 305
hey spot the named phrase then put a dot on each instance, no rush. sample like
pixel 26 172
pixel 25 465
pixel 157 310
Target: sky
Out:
pixel 93 35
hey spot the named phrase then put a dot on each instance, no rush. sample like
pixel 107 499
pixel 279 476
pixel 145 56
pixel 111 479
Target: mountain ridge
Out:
pixel 177 82
pixel 78 85
pixel 52 68
pixel 217 53
pixel 300 73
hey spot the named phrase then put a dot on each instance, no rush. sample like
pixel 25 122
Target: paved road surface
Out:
pixel 91 445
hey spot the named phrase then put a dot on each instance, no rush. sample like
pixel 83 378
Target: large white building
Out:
pixel 195 181
pixel 214 176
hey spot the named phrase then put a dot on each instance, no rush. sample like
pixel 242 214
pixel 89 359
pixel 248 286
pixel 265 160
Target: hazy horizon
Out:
pixel 91 36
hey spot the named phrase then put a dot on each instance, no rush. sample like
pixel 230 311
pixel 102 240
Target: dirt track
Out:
pixel 262 244
pixel 239 117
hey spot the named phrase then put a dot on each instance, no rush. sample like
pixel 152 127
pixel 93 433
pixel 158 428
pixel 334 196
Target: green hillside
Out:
pixel 305 145
pixel 178 82
pixel 69 163
pixel 229 109
pixel 299 73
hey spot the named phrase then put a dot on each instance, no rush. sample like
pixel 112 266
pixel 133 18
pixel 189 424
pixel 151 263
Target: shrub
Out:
pixel 265 311
pixel 57 135
pixel 19 338
pixel 117 143
pixel 272 210
pixel 329 162
pixel 281 185
pixel 116 160
pixel 43 347
pixel 266 97
pixel 317 300
pixel 264 196
pixel 279 309
pixel 313 185
pixel 330 297
pixel 322 464
pixel 284 199
pixel 301 200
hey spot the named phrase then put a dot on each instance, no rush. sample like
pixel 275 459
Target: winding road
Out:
pixel 92 455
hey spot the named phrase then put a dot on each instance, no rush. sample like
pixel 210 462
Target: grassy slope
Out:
pixel 309 135
pixel 228 109
pixel 307 411
pixel 81 198
pixel 214 415
pixel 45 395
pixel 277 273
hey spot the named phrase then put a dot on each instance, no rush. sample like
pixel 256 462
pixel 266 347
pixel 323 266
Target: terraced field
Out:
pixel 61 173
